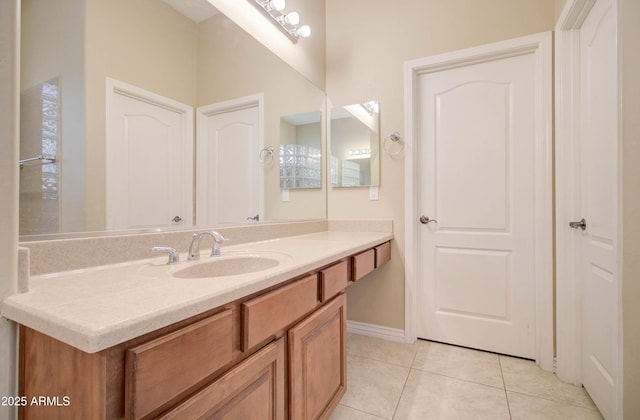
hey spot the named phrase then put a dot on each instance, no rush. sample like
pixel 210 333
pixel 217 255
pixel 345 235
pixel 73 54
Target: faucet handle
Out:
pixel 174 258
pixel 217 236
pixel 218 240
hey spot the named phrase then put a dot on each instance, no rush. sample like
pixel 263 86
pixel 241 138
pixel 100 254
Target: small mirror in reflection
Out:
pixel 355 145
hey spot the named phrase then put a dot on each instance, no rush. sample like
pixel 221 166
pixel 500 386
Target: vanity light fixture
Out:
pixel 359 153
pixel 286 21
pixel 275 5
pixel 304 31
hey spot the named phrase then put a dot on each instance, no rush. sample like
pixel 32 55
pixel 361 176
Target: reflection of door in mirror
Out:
pixel 229 180
pixel 149 174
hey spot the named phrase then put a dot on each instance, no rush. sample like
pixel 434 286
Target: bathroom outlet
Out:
pixel 373 193
pixel 285 195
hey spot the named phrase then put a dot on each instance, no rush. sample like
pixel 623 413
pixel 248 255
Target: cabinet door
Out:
pixel 317 362
pixel 252 390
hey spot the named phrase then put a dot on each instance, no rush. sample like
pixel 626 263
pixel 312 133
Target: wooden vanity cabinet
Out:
pixel 333 280
pixel 186 357
pixel 267 314
pixel 318 362
pixel 278 354
pixel 367 261
pixel 383 253
pixel 254 389
pixel 363 264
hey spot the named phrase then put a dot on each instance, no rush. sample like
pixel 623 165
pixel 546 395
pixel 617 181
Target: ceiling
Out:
pixel 196 10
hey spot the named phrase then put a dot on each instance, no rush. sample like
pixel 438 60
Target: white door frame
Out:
pixel 568 284
pixel 540 45
pixel 256 100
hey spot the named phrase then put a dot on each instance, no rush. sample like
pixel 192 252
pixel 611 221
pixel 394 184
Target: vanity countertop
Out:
pixel 95 308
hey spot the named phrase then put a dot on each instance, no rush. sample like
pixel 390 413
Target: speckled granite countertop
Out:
pixel 95 308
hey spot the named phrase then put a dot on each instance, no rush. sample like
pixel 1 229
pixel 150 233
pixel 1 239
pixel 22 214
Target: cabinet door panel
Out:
pixel 252 390
pixel 383 253
pixel 363 264
pixel 162 369
pixel 317 362
pixel 333 280
pixel 273 311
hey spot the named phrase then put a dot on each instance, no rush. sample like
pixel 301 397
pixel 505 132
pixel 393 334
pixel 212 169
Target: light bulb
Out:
pixel 277 4
pixel 304 31
pixel 292 18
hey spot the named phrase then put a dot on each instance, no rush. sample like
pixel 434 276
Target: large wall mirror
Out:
pixel 127 104
pixel 355 145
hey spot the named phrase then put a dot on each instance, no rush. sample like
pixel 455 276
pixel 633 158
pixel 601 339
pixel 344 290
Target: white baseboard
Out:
pixel 377 331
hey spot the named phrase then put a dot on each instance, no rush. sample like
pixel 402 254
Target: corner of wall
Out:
pixel 9 130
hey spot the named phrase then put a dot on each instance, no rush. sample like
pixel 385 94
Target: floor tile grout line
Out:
pixel 540 397
pixel 382 361
pixel 401 392
pixel 362 411
pixel 457 378
pixel 504 386
pixel 395 410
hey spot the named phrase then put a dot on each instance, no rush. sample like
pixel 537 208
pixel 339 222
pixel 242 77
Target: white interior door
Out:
pixel 479 131
pixel 228 181
pixel 149 159
pixel 597 252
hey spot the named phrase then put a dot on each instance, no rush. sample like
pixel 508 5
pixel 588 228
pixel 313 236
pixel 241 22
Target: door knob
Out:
pixel 424 220
pixel 177 219
pixel 582 224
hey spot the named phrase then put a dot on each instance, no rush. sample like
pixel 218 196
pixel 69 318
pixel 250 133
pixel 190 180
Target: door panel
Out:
pixel 479 164
pixel 228 148
pixel 478 138
pixel 461 270
pixel 599 192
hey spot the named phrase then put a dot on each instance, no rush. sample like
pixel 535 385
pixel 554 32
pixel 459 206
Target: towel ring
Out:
pixel 266 155
pixel 390 140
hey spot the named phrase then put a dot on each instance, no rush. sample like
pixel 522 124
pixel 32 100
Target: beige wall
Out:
pixel 367 45
pixel 9 126
pixel 629 46
pixel 307 55
pixel 559 5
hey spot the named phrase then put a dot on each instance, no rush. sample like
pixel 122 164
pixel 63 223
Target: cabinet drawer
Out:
pixel 363 264
pixel 383 253
pixel 162 369
pixel 252 390
pixel 265 315
pixel 333 280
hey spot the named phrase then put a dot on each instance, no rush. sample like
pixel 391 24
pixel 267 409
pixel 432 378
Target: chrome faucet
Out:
pixel 173 254
pixel 194 248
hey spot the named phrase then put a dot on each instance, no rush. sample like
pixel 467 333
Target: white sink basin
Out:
pixel 227 266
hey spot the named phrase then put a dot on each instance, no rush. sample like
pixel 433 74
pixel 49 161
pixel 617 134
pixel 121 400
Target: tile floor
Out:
pixel 427 380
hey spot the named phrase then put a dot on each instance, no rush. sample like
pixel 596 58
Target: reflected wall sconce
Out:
pixel 359 153
pixel 287 22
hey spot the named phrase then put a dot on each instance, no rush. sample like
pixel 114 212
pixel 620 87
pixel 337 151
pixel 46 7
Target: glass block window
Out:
pixel 300 167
